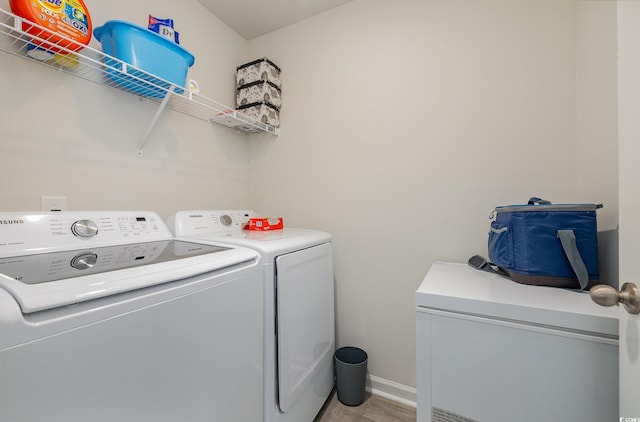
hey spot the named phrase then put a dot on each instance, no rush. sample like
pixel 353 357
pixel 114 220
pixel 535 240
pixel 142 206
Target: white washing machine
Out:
pixel 489 349
pixel 299 329
pixel 104 317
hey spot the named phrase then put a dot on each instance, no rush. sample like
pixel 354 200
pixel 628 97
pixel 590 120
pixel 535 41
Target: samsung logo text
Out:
pixel 2 222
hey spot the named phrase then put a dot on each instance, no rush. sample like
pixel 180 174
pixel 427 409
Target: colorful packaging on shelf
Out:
pixel 263 224
pixel 68 18
pixel 164 27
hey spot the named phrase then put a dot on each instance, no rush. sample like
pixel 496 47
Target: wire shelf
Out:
pixel 33 42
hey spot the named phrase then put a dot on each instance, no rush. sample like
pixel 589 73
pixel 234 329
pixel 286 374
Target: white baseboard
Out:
pixel 391 390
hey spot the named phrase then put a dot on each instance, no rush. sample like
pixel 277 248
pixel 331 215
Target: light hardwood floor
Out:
pixel 374 409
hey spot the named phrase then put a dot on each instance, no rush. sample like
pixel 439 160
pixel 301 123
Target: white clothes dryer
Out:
pixel 299 328
pixel 105 317
pixel 490 349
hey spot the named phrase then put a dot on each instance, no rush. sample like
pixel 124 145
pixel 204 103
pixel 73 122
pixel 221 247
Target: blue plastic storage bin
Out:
pixel 160 59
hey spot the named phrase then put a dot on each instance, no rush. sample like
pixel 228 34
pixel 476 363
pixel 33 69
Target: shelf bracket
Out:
pixel 163 105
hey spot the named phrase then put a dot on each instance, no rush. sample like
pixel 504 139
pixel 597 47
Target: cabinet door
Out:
pixel 305 316
pixel 468 364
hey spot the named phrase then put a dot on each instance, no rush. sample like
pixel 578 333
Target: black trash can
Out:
pixel 351 372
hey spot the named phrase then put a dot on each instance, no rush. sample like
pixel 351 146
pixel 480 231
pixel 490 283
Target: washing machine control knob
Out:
pixel 84 261
pixel 226 220
pixel 84 229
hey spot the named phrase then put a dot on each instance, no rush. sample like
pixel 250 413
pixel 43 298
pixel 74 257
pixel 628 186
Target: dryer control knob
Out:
pixel 84 229
pixel 226 220
pixel 84 261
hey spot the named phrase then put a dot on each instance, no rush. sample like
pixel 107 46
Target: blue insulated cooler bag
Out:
pixel 546 244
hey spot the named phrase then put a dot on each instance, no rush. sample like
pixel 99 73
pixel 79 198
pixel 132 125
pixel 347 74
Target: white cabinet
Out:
pixel 490 349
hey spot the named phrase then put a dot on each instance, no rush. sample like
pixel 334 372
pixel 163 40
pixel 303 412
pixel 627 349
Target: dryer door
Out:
pixel 306 340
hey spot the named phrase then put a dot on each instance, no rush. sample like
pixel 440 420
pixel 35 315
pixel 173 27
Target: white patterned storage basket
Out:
pixel 258 91
pixel 262 112
pixel 259 70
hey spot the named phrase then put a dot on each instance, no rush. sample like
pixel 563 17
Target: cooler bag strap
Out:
pixel 568 240
pixel 481 263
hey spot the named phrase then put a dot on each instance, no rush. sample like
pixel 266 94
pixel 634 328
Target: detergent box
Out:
pixel 164 27
pixel 263 224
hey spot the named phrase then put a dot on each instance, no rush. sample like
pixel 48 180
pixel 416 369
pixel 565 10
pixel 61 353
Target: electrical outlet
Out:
pixel 53 203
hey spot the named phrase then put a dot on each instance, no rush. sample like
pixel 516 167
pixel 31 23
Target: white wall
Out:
pixel 67 137
pixel 404 123
pixel 597 107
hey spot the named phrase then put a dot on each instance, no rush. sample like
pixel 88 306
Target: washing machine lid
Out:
pixel 275 242
pixel 54 279
pixel 458 288
pixel 52 259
